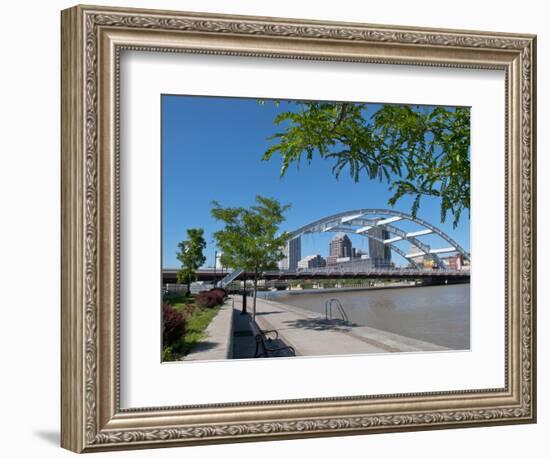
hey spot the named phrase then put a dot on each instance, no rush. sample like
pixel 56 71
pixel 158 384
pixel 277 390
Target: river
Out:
pixel 436 314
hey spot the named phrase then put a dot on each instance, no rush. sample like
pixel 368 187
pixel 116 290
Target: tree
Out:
pixel 419 151
pixel 191 256
pixel 249 239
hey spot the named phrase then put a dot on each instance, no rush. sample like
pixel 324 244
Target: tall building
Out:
pixel 219 264
pixel 424 260
pixel 312 261
pixel 454 262
pixel 340 246
pixel 379 253
pixel 293 254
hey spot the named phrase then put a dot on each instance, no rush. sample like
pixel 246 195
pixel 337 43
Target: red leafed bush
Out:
pixel 173 325
pixel 211 298
pixel 218 290
pixel 205 299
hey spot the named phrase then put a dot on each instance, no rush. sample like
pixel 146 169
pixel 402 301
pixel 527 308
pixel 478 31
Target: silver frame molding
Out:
pixel 92 40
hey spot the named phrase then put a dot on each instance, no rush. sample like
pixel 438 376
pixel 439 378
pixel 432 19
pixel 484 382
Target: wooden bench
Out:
pixel 265 346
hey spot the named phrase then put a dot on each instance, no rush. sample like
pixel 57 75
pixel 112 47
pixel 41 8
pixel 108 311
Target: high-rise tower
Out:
pixel 379 252
pixel 340 246
pixel 293 254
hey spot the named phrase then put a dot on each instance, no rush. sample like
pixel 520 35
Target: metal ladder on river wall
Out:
pixel 335 303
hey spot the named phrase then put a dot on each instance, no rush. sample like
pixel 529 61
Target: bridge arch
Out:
pixel 360 221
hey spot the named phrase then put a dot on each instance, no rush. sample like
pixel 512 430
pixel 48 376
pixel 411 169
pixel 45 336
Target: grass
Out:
pixel 197 320
pixel 178 299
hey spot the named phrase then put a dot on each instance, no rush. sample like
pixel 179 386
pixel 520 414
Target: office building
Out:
pixel 293 254
pixel 340 246
pixel 379 252
pixel 312 261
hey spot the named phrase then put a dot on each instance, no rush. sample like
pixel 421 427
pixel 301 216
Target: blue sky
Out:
pixel 212 149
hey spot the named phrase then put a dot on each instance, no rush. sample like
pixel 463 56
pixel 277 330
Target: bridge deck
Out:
pixel 170 275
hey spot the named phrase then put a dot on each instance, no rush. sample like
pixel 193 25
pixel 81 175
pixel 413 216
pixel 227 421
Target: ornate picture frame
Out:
pixel 92 41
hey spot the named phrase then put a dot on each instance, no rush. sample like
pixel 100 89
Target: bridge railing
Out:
pixel 394 272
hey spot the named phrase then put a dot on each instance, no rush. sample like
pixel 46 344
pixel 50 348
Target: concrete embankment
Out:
pixel 218 343
pixel 270 294
pixel 312 335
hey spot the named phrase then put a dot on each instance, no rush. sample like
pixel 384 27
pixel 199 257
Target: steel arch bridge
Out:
pixel 361 221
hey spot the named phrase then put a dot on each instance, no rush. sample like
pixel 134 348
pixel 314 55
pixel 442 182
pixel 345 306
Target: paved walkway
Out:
pixel 218 343
pixel 311 335
pixel 244 343
pixel 228 335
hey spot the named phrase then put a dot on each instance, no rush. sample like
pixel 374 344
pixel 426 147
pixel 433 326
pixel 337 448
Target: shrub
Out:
pixel 205 299
pixel 219 294
pixel 221 291
pixel 168 354
pixel 173 325
pixel 211 298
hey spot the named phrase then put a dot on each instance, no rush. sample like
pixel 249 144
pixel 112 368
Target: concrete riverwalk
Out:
pixel 312 335
pixel 228 335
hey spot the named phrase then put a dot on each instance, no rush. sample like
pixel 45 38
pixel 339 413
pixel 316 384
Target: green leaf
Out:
pixel 428 146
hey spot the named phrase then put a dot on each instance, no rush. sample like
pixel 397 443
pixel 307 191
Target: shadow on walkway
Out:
pixel 320 324
pixel 203 346
pixel 244 343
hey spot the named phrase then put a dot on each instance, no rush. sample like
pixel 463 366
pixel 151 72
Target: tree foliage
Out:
pixel 418 151
pixel 250 239
pixel 191 256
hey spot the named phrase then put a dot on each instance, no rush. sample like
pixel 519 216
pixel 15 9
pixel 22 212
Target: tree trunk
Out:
pixel 255 294
pixel 189 288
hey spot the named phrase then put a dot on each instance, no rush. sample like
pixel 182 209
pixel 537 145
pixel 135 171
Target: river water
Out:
pixel 436 314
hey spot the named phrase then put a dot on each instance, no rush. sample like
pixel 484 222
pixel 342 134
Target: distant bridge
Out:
pixel 361 221
pixel 210 275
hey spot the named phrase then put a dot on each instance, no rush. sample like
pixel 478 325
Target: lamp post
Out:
pixel 215 262
pixel 243 311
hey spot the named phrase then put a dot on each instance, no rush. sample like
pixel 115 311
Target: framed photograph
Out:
pixel 278 228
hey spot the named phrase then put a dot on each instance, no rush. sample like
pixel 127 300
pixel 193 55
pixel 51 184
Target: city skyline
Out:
pixel 221 138
pixel 375 258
